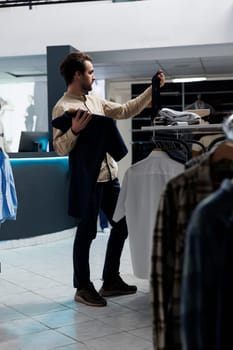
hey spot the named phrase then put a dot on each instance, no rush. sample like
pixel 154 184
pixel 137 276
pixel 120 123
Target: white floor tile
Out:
pixel 119 341
pixel 37 307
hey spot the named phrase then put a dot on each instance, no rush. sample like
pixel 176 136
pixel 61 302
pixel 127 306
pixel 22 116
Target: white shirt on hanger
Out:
pixel 138 201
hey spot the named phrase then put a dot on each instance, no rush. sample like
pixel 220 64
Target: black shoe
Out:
pixel 116 288
pixel 89 296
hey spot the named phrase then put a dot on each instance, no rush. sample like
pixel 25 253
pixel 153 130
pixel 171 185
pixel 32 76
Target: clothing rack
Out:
pixel 190 134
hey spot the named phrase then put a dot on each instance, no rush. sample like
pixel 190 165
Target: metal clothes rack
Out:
pixel 179 132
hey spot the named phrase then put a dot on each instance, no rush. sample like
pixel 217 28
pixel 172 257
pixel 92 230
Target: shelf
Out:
pixel 198 128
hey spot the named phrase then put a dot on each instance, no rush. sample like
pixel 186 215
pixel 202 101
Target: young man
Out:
pixel 78 72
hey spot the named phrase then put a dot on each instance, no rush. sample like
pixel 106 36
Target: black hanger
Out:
pixel 197 143
pixel 215 141
pixel 169 143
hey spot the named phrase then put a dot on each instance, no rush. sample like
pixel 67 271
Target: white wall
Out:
pixel 99 26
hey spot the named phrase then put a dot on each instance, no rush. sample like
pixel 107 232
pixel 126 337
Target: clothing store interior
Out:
pixel 154 183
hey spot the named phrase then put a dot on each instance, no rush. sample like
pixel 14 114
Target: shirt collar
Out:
pixel 82 98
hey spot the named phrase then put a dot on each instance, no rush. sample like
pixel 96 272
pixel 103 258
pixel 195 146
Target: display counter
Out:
pixel 41 181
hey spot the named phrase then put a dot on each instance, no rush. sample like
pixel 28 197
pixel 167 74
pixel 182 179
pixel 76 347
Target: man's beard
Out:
pixel 86 88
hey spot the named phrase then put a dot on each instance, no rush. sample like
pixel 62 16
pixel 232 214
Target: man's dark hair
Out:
pixel 73 62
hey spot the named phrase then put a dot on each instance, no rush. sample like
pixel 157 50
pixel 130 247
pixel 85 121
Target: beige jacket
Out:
pixel 63 143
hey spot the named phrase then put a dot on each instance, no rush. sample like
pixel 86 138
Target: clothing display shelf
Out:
pixel 197 128
pixel 179 130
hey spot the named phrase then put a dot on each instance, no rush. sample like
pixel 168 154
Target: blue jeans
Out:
pixel 105 198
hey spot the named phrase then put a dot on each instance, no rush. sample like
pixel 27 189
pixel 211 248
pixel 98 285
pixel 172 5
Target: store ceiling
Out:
pixel 30 3
pixel 139 64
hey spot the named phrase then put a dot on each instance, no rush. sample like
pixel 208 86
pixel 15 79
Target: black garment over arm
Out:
pixel 100 136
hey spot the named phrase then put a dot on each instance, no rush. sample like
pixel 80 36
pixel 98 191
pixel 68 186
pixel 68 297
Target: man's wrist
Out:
pixel 74 133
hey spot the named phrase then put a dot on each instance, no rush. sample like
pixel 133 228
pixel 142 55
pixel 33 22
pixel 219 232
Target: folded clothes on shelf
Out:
pixel 167 116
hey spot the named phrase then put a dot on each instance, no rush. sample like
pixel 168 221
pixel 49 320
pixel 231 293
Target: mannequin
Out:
pixel 3 144
pixel 30 117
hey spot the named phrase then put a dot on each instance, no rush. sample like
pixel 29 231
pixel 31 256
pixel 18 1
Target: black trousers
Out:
pixel 104 197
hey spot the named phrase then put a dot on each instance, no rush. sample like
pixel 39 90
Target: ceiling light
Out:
pixel 188 80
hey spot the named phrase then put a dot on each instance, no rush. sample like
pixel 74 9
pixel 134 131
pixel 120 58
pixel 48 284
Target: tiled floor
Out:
pixel 37 310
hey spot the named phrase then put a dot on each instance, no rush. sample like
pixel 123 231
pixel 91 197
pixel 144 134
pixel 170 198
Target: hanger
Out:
pixel 197 143
pixel 221 163
pixel 169 144
pixel 215 141
pixel 223 151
